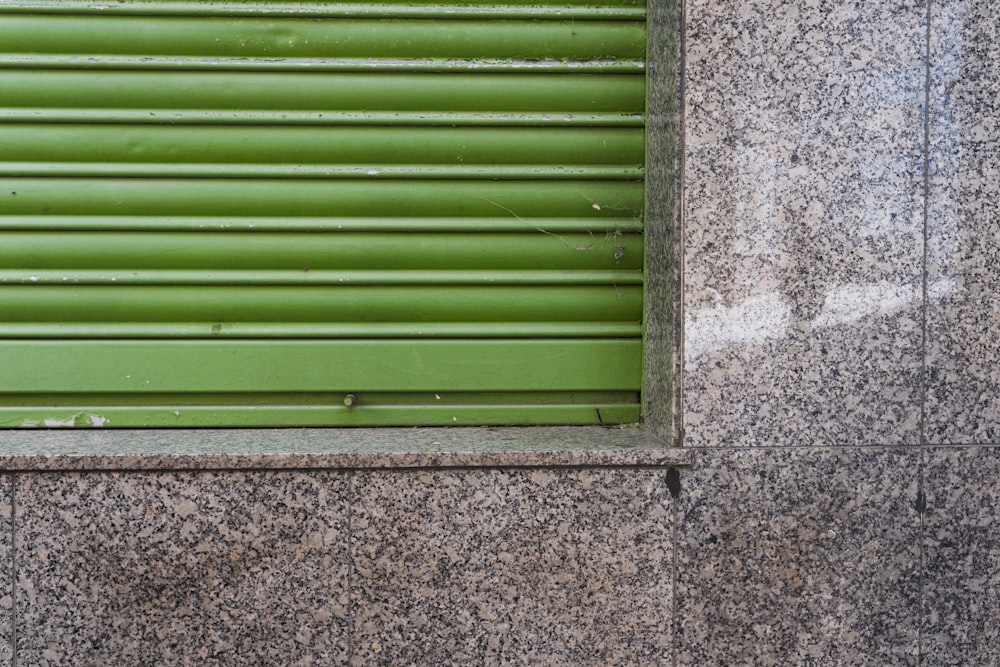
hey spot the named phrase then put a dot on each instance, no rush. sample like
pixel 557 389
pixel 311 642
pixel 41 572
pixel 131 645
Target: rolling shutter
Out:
pixel 319 214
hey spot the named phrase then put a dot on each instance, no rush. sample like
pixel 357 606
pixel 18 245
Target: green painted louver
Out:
pixel 321 214
pixel 567 9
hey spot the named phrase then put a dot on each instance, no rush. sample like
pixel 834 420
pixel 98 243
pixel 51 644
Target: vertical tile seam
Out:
pixel 674 573
pixel 921 513
pixel 926 224
pixel 921 466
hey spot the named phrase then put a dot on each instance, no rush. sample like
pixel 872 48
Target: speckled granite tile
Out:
pixel 795 556
pixel 491 567
pixel 6 599
pixel 803 222
pixel 182 569
pixel 963 319
pixel 962 557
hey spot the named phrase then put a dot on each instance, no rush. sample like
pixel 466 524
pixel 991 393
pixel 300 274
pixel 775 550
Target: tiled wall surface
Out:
pixel 177 569
pixel 799 556
pixel 841 249
pixel 6 576
pixel 803 213
pixel 840 244
pixel 961 556
pixel 406 567
pixel 841 256
pixel 963 241
pixel 512 567
pixel 767 556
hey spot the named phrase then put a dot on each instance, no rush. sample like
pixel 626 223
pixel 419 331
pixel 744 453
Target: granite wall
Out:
pixel 319 547
pixel 409 567
pixel 839 394
pixel 841 384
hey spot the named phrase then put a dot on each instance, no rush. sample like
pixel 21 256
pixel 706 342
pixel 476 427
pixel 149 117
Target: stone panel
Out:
pixel 498 567
pixel 962 557
pixel 803 222
pixel 182 569
pixel 799 557
pixel 963 242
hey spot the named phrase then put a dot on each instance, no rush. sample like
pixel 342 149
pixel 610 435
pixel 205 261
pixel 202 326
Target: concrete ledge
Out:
pixel 262 449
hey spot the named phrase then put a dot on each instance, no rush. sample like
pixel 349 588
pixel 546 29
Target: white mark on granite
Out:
pixel 752 321
pixel 769 316
pixel 186 508
pixel 851 303
pixel 803 222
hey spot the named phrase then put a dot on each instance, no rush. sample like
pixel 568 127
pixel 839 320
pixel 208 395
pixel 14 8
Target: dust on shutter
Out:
pixel 319 214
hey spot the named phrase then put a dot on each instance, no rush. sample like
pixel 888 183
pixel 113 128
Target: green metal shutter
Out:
pixel 316 214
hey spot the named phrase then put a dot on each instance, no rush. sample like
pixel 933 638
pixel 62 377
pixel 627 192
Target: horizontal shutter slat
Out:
pixel 180 415
pixel 499 330
pixel 570 9
pixel 324 399
pixel 529 251
pixel 602 227
pixel 265 38
pixel 344 366
pixel 189 170
pixel 270 303
pixel 370 198
pixel 282 117
pixel 367 147
pixel 210 278
pixel 428 65
pixel 324 92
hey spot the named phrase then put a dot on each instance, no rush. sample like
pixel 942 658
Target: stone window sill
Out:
pixel 362 448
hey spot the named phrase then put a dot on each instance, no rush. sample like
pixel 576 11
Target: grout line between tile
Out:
pixel 921 511
pixel 926 224
pixel 921 467
pixel 674 573
pixel 921 493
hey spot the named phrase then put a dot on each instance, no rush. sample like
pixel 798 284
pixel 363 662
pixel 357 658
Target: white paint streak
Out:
pixel 769 316
pixel 749 323
pixel 60 423
pixel 97 421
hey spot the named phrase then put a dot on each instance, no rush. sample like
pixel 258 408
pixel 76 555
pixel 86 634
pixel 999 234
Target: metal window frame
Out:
pixel 663 271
